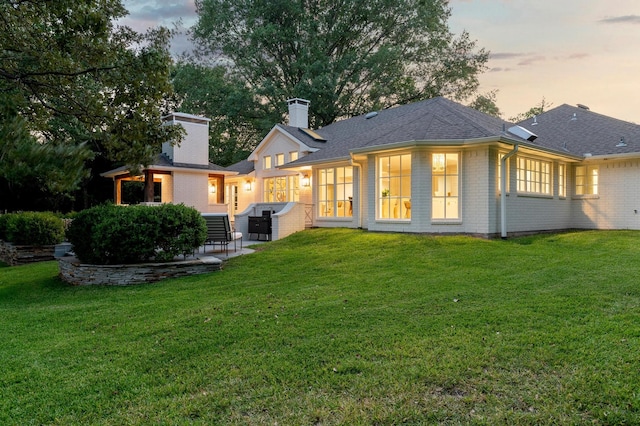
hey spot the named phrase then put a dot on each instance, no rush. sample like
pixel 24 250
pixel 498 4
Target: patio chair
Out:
pixel 219 231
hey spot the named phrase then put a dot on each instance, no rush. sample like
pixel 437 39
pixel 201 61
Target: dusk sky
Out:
pixel 567 51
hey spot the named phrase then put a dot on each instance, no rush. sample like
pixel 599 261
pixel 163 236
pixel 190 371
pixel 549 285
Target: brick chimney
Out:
pixel 298 112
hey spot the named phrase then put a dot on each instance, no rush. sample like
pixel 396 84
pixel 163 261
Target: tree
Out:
pixel 235 121
pixel 536 110
pixel 346 57
pixel 75 78
pixel 486 103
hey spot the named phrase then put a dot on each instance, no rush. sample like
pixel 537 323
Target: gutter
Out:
pixel 503 191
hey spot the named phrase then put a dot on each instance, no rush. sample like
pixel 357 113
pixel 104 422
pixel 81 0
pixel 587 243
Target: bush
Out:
pixel 32 228
pixel 110 234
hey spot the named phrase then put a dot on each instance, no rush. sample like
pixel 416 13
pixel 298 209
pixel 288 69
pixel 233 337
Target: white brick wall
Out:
pixel 617 205
pixel 191 189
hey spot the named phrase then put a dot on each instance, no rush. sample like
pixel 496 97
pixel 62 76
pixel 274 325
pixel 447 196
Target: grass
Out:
pixel 338 327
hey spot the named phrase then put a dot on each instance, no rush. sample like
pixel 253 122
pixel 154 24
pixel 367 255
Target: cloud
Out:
pixel 626 19
pixel 500 69
pixel 506 55
pixel 578 56
pixel 532 60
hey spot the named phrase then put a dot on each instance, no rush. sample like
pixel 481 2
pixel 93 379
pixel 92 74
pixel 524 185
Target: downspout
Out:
pixel 503 191
pixel 359 166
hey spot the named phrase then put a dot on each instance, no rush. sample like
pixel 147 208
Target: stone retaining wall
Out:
pixel 19 255
pixel 76 273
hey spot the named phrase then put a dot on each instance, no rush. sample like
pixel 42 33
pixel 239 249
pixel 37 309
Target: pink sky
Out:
pixel 567 51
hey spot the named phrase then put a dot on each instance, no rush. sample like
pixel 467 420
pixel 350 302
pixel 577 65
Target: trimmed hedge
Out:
pixel 110 234
pixel 31 228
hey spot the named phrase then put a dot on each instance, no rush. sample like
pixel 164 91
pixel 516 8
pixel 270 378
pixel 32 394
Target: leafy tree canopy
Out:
pixel 347 57
pixel 486 103
pixel 541 107
pixel 75 77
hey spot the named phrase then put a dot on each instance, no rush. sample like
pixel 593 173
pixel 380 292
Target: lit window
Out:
pixel 586 180
pixel 282 189
pixel 335 192
pixel 562 180
pixel 445 186
pixel 534 176
pixel 267 162
pixel 394 187
pixel 279 159
pixel 293 155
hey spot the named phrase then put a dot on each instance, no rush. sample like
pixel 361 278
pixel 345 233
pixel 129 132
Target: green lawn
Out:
pixel 338 327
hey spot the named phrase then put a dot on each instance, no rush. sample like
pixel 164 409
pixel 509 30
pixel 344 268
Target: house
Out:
pixel 433 166
pixel 181 173
pixel 439 167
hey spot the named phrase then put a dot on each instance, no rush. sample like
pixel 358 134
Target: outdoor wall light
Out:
pixel 306 181
pixel 212 189
pixel 247 185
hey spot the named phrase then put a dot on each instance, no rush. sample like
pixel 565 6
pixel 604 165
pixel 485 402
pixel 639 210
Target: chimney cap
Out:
pixel 298 101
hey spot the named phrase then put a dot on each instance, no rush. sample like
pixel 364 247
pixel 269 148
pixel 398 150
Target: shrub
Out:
pixel 32 228
pixel 110 234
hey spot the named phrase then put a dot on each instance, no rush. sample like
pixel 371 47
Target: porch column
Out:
pixel 148 186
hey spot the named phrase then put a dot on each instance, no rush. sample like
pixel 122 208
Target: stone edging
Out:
pixel 14 255
pixel 76 273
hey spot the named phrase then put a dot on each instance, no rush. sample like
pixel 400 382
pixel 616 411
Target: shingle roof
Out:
pixel 243 167
pixel 579 131
pixel 437 119
pixel 164 161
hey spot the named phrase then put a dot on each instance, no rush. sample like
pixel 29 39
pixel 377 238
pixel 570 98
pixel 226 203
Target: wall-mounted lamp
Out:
pixel 247 185
pixel 212 189
pixel 306 181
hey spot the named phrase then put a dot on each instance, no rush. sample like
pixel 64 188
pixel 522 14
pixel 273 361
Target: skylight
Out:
pixel 313 135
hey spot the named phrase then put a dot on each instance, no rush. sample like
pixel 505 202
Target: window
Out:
pixel 281 189
pixel 266 162
pixel 534 176
pixel 293 155
pixel 445 186
pixel 394 187
pixel 279 159
pixel 562 180
pixel 335 192
pixel 586 180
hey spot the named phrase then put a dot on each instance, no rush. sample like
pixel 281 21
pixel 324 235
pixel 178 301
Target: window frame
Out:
pixel 266 162
pixel 562 180
pixel 441 174
pixel 394 190
pixel 589 180
pixel 335 198
pixel 281 189
pixel 530 179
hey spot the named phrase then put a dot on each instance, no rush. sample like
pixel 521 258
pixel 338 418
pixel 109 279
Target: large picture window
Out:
pixel 534 176
pixel 394 187
pixel 445 172
pixel 586 180
pixel 282 189
pixel 335 192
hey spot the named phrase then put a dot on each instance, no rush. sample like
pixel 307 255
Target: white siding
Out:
pixel 617 205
